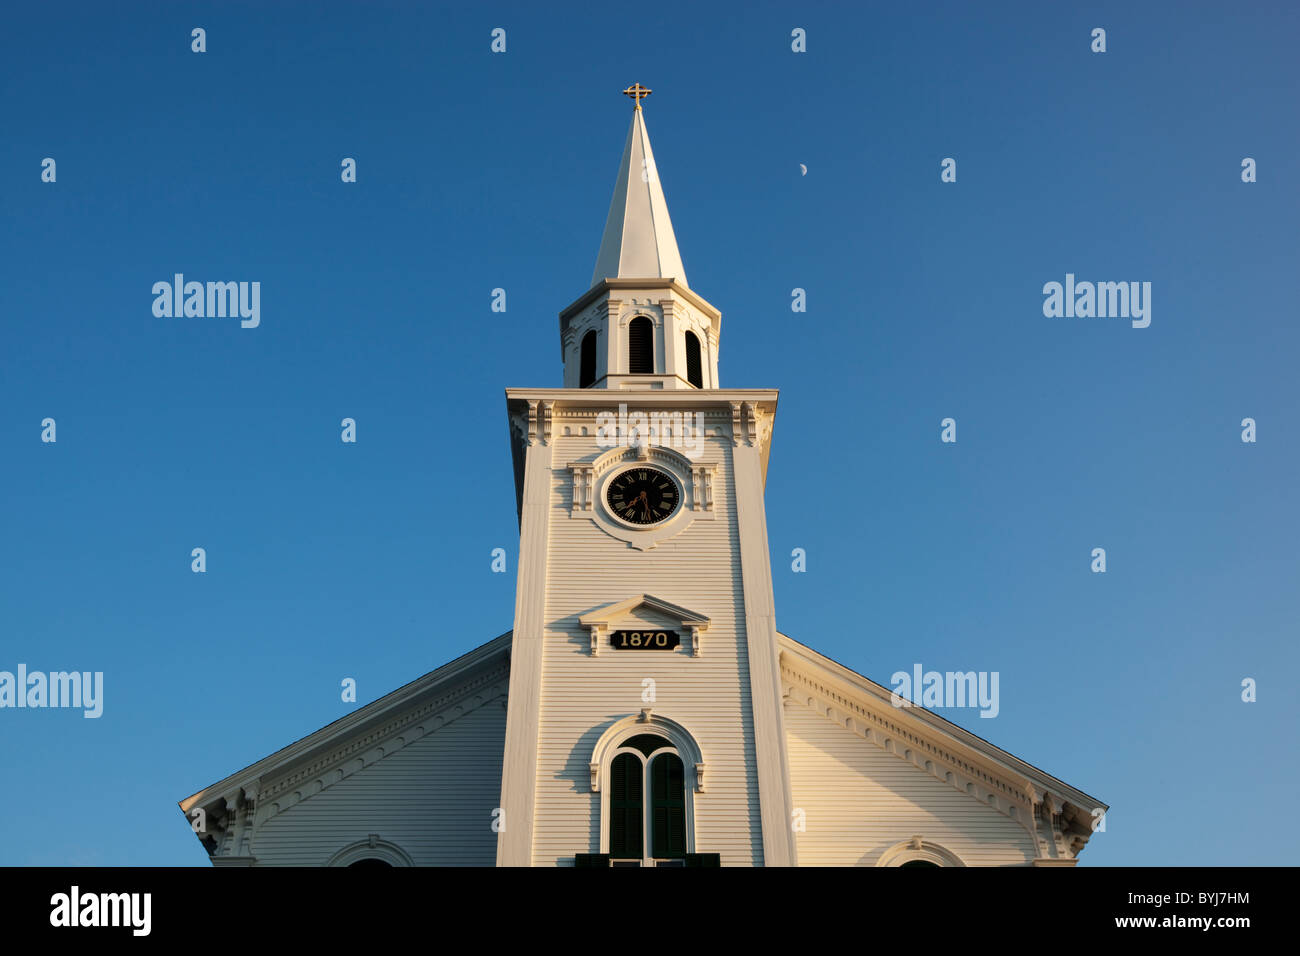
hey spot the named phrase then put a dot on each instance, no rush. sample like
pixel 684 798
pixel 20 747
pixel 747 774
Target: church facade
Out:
pixel 644 710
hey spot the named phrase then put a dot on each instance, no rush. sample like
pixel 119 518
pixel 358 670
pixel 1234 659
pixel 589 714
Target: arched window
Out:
pixel 647 769
pixel 694 371
pixel 371 854
pixel 640 829
pixel 587 364
pixel 918 852
pixel 640 346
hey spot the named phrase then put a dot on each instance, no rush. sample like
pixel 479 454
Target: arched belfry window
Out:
pixel 587 363
pixel 640 346
pixel 694 370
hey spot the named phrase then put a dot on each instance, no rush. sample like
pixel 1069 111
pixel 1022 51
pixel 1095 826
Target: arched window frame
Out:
pixel 677 740
pixel 917 849
pixel 371 848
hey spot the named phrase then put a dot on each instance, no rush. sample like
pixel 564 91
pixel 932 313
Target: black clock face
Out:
pixel 642 496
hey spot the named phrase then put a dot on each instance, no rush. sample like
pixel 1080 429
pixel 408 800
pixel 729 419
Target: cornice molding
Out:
pixel 994 757
pixel 612 286
pixel 1053 822
pixel 360 752
pixel 229 809
pixel 891 733
pixel 234 819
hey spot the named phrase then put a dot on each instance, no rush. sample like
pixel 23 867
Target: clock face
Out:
pixel 642 496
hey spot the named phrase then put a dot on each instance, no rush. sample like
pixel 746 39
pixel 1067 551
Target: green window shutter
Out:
pixel 668 806
pixel 625 807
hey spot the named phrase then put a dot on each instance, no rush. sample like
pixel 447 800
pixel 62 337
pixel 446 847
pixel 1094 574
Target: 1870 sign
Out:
pixel 644 640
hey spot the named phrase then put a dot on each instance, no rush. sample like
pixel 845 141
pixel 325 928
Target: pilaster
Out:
pixel 519 765
pixel 764 670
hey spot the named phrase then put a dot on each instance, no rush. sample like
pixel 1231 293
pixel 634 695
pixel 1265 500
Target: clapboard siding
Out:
pixel 582 695
pixel 860 801
pixel 433 798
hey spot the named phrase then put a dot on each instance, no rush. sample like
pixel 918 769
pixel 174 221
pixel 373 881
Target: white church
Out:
pixel 644 710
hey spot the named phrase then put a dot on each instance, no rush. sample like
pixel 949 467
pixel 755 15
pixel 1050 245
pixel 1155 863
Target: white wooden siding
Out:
pixel 582 695
pixel 433 798
pixel 860 801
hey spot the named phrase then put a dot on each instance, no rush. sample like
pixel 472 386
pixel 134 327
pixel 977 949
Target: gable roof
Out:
pixel 987 772
pixel 373 718
pixel 1006 781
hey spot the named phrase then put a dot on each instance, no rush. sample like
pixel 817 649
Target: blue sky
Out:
pixel 479 170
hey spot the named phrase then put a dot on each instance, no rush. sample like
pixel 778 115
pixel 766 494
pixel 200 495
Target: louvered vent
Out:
pixel 587 365
pixel 694 373
pixel 641 345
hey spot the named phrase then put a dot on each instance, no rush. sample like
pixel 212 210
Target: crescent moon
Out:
pixel 803 170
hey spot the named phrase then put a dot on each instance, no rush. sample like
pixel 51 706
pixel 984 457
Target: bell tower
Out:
pixel 644 723
pixel 639 276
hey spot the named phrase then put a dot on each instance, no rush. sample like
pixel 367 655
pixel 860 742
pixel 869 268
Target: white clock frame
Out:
pixel 590 483
pixel 632 466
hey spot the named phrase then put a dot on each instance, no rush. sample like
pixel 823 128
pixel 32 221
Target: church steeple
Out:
pixel 639 326
pixel 638 242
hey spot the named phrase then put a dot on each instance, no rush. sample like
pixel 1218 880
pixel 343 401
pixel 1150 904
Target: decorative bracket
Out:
pixel 539 421
pixel 583 475
pixel 702 486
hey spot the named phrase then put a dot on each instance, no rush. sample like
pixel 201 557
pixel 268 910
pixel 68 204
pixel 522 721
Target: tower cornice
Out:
pixel 607 286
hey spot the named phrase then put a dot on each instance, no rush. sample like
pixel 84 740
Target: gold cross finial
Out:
pixel 637 92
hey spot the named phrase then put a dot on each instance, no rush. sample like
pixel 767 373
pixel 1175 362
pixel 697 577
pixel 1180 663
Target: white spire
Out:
pixel 638 241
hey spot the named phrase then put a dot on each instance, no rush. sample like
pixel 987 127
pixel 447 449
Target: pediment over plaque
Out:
pixel 645 613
